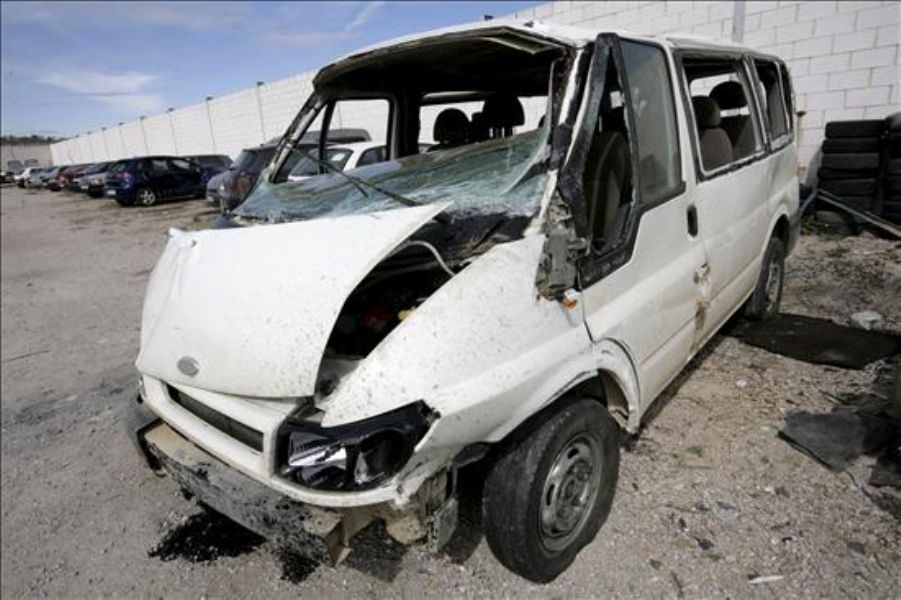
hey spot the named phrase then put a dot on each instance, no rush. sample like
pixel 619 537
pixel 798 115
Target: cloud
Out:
pixel 83 81
pixel 364 15
pixel 124 91
pixel 191 16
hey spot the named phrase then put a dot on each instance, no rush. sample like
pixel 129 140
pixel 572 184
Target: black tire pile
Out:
pixel 861 164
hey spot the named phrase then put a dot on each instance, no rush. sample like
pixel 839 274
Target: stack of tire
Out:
pixel 861 164
pixel 891 181
pixel 851 156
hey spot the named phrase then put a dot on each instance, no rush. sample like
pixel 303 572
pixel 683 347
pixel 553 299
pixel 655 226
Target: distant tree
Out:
pixel 29 139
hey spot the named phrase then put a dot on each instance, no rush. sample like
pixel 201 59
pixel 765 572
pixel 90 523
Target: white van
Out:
pixel 593 209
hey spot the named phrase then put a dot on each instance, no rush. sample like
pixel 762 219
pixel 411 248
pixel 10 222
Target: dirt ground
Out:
pixel 709 497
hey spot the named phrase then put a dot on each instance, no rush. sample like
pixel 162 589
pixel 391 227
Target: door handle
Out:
pixel 691 214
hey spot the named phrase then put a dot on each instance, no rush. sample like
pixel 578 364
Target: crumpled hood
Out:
pixel 252 308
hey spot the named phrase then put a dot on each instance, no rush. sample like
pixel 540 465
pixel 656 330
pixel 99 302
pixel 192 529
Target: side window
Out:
pixel 653 109
pixel 727 129
pixel 179 164
pixel 155 166
pixel 372 156
pixel 772 98
pixel 787 95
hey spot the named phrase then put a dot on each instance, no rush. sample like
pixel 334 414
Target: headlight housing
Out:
pixel 356 456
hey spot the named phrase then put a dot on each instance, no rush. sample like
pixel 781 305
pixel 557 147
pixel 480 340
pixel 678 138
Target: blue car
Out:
pixel 151 179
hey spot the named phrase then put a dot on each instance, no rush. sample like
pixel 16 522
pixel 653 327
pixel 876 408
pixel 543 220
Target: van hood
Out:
pixel 248 311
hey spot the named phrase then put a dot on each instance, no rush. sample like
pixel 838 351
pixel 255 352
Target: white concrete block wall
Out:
pixel 281 100
pixel 192 130
pixel 236 122
pixel 844 58
pixel 159 134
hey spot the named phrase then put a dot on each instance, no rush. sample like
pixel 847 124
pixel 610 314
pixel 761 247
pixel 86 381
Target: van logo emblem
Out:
pixel 188 365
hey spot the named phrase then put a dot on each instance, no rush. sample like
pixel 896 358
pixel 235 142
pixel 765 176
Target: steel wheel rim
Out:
pixel 569 492
pixel 773 284
pixel 147 197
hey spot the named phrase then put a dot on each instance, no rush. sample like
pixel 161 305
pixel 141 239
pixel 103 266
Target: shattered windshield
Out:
pixel 484 178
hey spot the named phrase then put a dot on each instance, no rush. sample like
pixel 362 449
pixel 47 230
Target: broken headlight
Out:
pixel 350 457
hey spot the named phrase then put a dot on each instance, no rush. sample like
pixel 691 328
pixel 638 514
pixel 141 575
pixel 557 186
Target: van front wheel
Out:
pixel 549 493
pixel 764 302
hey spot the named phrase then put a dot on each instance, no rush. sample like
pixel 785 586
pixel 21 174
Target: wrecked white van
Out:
pixel 511 284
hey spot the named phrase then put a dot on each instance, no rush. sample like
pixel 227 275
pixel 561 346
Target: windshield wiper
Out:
pixel 362 184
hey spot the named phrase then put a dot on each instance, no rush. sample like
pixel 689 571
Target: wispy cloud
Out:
pixel 361 16
pixel 364 15
pixel 124 91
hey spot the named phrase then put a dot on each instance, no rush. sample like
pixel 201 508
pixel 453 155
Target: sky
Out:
pixel 73 67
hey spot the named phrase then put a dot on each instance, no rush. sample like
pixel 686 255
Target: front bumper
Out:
pixel 319 533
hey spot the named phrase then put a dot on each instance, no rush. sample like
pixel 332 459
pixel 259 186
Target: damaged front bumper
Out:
pixel 318 533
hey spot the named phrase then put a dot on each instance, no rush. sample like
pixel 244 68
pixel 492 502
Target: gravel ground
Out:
pixel 709 499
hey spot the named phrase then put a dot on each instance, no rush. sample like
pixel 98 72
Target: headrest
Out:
pixel 729 95
pixel 451 126
pixel 503 110
pixel 478 129
pixel 707 112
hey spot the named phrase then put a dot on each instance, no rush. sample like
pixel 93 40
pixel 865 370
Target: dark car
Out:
pixel 48 177
pixel 150 179
pixel 52 178
pixel 91 180
pixel 73 181
pixel 227 190
pixel 66 174
pixel 216 163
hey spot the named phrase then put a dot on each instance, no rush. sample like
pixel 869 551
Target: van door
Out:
pixel 734 178
pixel 641 281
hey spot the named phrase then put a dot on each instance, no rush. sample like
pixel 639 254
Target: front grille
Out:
pixel 241 432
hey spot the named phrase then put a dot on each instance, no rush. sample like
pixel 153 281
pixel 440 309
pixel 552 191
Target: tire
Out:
pixel 851 162
pixel 859 202
pixel 855 129
pixel 851 145
pixel 145 196
pixel 545 461
pixel 894 167
pixel 764 301
pixel 827 174
pixel 850 187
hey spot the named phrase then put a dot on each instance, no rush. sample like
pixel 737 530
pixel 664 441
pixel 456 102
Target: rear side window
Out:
pixel 726 128
pixel 772 98
pixel 651 101
pixel 156 165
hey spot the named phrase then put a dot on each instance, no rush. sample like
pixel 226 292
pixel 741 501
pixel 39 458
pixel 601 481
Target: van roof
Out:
pixel 566 35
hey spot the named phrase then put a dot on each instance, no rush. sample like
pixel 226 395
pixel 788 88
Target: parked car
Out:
pixel 228 189
pixel 7 176
pixel 215 163
pixel 91 180
pixel 22 176
pixel 66 174
pixel 518 294
pixel 150 179
pixel 344 157
pixel 73 177
pixel 35 177
pixel 49 178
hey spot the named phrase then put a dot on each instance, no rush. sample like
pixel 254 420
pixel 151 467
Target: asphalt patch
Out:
pixel 817 341
pixel 205 537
